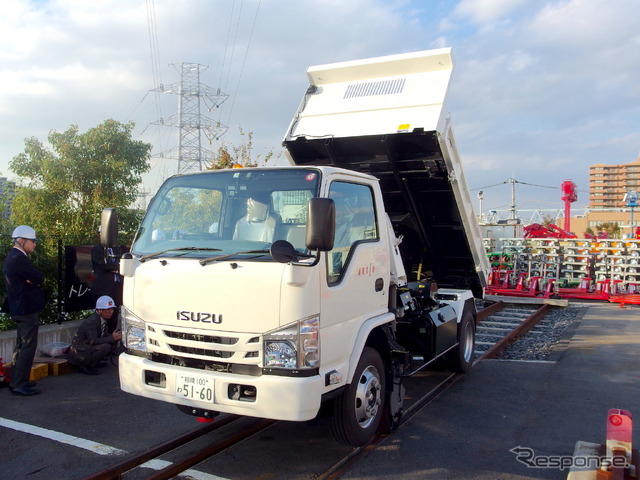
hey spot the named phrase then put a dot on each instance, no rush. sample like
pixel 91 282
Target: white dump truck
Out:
pixel 273 291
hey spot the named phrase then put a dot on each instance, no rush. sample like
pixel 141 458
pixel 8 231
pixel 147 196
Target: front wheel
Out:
pixel 460 359
pixel 359 408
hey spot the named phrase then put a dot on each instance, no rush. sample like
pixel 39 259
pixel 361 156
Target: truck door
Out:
pixel 358 266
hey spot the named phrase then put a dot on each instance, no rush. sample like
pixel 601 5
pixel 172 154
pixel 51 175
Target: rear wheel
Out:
pixel 359 408
pixel 461 357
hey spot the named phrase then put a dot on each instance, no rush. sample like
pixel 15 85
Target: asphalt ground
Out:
pixel 542 408
pixel 81 424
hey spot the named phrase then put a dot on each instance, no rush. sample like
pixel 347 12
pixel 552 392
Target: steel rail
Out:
pixel 359 453
pixel 514 334
pixel 136 460
pixel 176 468
pixel 490 310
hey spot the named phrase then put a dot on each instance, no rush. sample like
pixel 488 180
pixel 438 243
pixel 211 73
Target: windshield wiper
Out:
pixel 144 258
pixel 204 261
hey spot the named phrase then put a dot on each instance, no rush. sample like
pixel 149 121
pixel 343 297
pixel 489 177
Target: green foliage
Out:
pixel 612 229
pixel 547 220
pixel 230 155
pixel 65 188
pixel 194 207
pixel 62 191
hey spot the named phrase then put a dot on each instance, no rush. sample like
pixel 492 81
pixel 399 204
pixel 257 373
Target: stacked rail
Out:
pixel 566 268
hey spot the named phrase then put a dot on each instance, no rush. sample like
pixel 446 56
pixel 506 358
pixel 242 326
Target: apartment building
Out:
pixel 7 192
pixel 609 183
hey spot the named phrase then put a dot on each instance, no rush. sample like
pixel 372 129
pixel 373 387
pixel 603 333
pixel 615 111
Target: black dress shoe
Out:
pixel 103 363
pixel 28 385
pixel 89 371
pixel 25 391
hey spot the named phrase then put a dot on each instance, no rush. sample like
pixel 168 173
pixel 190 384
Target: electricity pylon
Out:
pixel 192 153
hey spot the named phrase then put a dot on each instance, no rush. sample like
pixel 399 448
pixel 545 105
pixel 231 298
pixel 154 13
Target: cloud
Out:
pixel 541 88
pixel 486 11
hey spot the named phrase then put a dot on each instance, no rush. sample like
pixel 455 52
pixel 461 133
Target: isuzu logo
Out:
pixel 202 317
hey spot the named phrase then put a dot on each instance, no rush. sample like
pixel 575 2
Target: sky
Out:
pixel 541 89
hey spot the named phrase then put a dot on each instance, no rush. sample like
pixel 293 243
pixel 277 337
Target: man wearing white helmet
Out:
pixel 25 301
pixel 92 342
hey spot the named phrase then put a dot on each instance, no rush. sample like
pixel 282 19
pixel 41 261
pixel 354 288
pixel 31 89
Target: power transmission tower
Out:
pixel 192 153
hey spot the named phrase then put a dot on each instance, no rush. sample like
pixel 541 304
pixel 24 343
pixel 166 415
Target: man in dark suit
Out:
pixel 92 342
pixel 25 299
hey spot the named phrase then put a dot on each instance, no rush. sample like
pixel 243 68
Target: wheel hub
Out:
pixel 368 397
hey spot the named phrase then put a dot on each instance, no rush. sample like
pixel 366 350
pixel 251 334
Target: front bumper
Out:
pixel 276 397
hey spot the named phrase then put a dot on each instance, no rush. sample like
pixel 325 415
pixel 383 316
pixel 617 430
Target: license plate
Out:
pixel 195 387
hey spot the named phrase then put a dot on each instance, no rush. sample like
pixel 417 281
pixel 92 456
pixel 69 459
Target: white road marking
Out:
pixel 98 448
pixel 62 437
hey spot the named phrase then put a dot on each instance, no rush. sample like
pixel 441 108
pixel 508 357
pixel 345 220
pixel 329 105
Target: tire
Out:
pixel 461 358
pixel 358 410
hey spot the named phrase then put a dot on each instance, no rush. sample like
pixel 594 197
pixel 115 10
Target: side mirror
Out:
pixel 321 224
pixel 108 228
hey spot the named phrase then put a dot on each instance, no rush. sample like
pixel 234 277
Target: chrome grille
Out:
pixel 200 351
pixel 196 337
pixel 232 347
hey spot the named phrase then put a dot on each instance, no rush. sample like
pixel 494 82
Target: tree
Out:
pixel 65 187
pixel 547 220
pixel 228 156
pixel 612 229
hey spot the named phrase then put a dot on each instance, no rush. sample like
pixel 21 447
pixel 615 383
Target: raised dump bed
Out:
pixel 411 151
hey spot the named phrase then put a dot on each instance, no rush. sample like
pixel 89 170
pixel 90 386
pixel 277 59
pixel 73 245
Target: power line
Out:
pixel 244 60
pixel 226 46
pixel 155 55
pixel 233 46
pixel 513 180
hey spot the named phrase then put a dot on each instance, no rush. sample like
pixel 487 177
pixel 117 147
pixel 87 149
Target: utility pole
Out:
pixel 480 198
pixel 192 153
pixel 512 211
pixel 631 198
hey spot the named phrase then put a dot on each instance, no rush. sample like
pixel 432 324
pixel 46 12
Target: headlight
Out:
pixel 295 346
pixel 133 331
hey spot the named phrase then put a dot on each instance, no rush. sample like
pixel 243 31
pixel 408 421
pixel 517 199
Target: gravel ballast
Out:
pixel 548 338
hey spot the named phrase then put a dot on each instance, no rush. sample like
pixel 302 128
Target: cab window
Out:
pixel 355 223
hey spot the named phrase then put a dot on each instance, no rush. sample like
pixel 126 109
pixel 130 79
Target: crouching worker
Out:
pixel 91 342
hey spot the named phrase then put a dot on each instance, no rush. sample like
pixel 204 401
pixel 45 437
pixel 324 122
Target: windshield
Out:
pixel 228 212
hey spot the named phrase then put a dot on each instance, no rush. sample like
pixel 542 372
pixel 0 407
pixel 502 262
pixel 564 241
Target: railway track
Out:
pixel 502 325
pixel 498 326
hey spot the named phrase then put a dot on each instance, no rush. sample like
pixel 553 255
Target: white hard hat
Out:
pixel 23 231
pixel 105 302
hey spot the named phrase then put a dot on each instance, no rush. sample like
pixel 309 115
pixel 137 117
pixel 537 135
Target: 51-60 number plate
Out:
pixel 195 387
